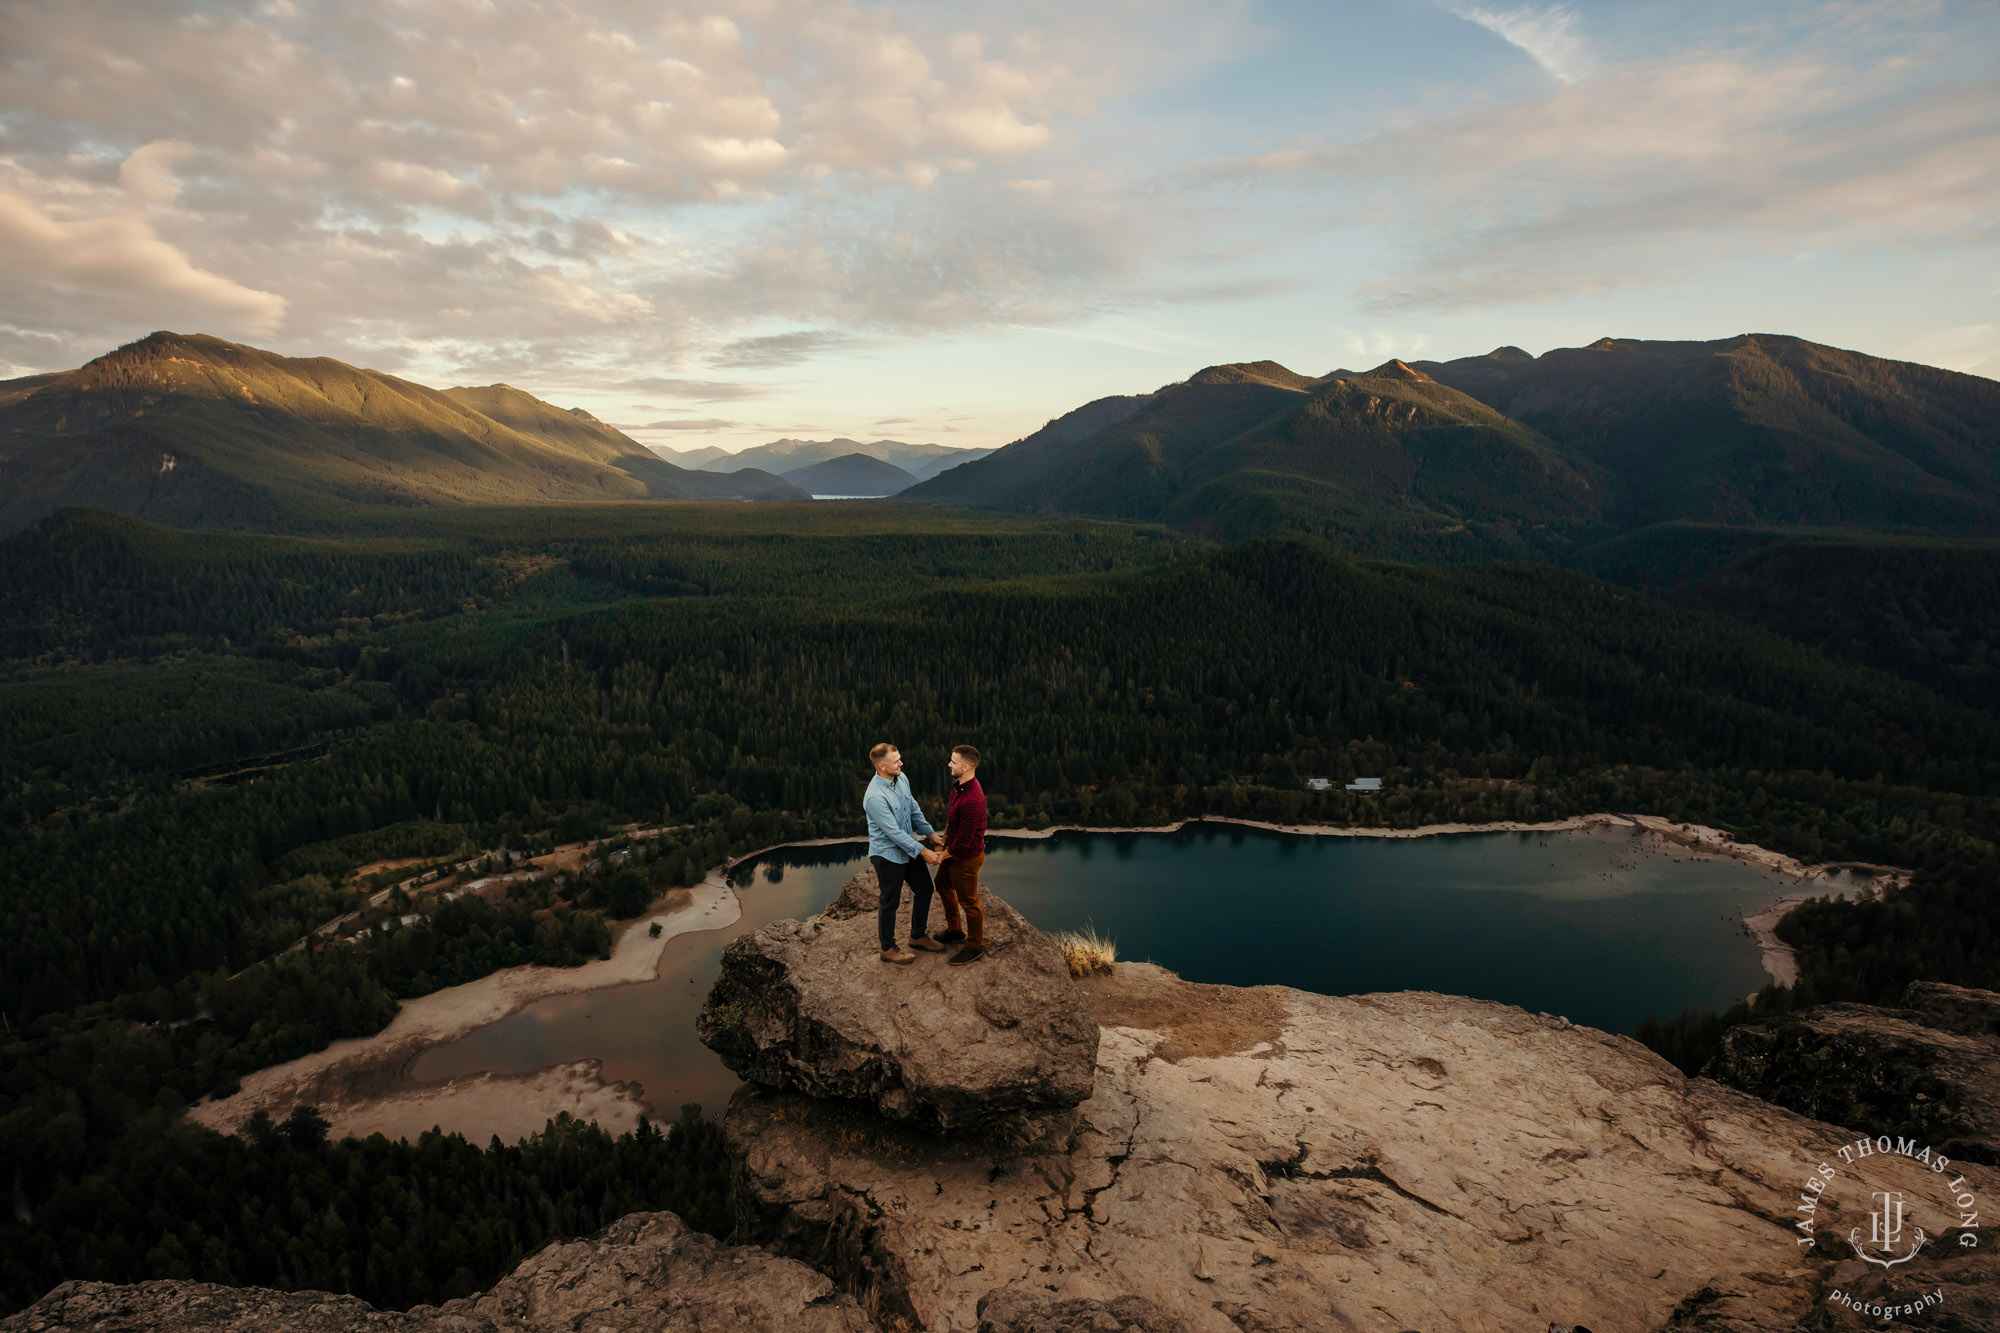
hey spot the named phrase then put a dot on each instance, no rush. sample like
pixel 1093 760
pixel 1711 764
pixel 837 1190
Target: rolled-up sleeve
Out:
pixel 880 807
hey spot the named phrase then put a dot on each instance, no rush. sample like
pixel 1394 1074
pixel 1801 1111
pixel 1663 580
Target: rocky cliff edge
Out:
pixel 1264 1159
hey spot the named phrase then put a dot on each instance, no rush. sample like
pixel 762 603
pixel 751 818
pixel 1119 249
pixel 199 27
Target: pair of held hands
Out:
pixel 933 857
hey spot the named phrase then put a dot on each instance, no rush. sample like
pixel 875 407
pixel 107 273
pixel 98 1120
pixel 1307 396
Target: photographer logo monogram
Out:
pixel 1895 1230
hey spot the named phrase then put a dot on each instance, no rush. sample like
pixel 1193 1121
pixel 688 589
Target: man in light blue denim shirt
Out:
pixel 896 854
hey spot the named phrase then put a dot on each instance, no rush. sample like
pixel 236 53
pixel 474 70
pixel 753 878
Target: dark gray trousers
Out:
pixel 891 875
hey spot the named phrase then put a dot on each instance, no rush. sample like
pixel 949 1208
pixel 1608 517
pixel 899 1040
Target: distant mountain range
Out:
pixel 193 431
pixel 1637 452
pixel 782 458
pixel 1514 454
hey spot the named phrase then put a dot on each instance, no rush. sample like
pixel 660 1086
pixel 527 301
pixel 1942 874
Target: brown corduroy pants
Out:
pixel 958 889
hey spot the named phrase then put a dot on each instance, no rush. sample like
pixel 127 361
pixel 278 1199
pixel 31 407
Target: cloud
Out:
pixel 476 183
pixel 700 391
pixel 969 256
pixel 1548 34
pixel 1971 348
pixel 148 172
pixel 1644 172
pixel 686 423
pixel 114 267
pixel 777 349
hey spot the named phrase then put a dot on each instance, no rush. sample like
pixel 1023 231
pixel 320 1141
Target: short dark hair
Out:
pixel 970 755
pixel 875 755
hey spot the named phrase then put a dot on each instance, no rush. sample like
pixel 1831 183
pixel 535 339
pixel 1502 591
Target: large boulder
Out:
pixel 1000 1044
pixel 646 1273
pixel 1928 1068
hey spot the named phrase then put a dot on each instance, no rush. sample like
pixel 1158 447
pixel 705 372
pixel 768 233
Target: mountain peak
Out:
pixel 852 474
pixel 1397 369
pixel 166 343
pixel 1509 353
pixel 1251 372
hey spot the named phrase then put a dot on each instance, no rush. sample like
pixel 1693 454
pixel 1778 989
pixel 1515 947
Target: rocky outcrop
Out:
pixel 647 1273
pixel 650 1272
pixel 1264 1159
pixel 1006 1311
pixel 1929 1068
pixel 808 1006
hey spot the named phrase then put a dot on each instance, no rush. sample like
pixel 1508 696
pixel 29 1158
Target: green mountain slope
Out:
pixel 1006 479
pixel 1393 460
pixel 1513 454
pixel 1389 460
pixel 1760 428
pixel 192 430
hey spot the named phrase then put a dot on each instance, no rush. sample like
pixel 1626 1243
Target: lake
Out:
pixel 1601 925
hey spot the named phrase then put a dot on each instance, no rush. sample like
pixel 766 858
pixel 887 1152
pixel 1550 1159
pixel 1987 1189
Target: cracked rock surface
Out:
pixel 646 1273
pixel 1266 1159
pixel 810 1006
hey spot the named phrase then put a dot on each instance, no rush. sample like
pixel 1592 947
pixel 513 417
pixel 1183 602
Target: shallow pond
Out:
pixel 1601 925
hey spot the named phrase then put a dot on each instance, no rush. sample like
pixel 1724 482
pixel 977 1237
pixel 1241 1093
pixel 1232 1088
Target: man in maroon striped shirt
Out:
pixel 964 853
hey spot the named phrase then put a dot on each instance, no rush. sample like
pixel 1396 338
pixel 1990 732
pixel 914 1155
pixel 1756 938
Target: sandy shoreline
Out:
pixel 361 1087
pixel 1781 964
pixel 347 1077
pixel 512 1106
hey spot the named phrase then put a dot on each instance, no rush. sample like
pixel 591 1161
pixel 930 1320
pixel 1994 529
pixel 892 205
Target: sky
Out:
pixel 725 223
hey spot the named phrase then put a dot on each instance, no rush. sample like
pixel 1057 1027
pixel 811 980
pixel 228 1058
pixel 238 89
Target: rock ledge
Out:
pixel 807 1006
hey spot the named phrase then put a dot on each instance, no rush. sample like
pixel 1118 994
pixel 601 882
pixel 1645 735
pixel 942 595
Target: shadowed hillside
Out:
pixel 1508 453
pixel 1393 459
pixel 192 430
pixel 1760 428
pixel 1388 460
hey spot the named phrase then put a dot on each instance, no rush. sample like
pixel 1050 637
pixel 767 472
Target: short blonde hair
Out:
pixel 876 755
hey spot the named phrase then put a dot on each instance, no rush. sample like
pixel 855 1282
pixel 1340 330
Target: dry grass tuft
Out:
pixel 1086 951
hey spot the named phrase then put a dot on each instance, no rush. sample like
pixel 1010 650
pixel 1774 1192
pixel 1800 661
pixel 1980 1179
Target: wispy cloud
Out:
pixel 774 350
pixel 1645 172
pixel 700 391
pixel 113 264
pixel 473 181
pixel 1972 348
pixel 1549 34
pixel 686 423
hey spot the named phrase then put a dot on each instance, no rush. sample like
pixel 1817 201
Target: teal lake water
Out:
pixel 1599 925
